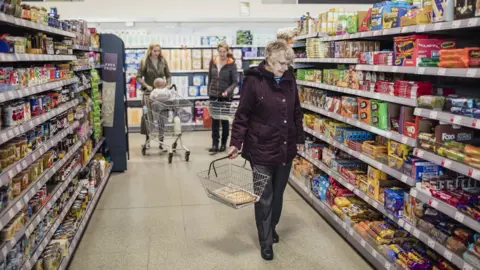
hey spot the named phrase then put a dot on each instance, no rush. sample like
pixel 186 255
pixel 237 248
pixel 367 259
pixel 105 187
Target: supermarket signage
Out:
pixel 109 87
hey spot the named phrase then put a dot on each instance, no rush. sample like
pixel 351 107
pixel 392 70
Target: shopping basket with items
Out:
pixel 222 110
pixel 233 185
pixel 164 117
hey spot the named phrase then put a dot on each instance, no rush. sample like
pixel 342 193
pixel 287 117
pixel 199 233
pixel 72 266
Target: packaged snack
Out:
pixel 364 110
pixel 455 245
pixel 464 9
pixel 431 102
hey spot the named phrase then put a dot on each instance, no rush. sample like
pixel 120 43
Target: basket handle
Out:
pixel 174 87
pixel 212 164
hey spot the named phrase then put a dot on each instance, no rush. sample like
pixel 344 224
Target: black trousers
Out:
pixel 269 208
pixel 224 123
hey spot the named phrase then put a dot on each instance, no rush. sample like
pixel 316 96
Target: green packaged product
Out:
pixel 431 102
pixel 428 64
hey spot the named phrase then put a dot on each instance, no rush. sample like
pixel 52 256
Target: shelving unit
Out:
pixel 17 205
pixel 458 30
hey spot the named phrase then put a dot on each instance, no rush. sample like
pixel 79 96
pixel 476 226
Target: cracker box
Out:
pixel 464 9
pixel 379 115
pixel 409 49
pixel 438 10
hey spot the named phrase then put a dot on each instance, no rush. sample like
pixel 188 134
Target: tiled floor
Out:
pixel 157 216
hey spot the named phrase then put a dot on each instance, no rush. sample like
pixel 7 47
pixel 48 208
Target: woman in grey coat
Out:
pixel 222 80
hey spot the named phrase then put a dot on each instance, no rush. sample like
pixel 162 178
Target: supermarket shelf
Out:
pixel 83 68
pixel 445 208
pixel 340 226
pixel 448 163
pixel 23 57
pixel 448 118
pixel 194 71
pixel 354 122
pixel 86 48
pixel 438 247
pixel 377 205
pixel 197 47
pixel 394 99
pixel 32 90
pixel 423 28
pixel 18 203
pixel 327 60
pixel 253 65
pixel 311 35
pixel 432 71
pixel 299 44
pixel 83 88
pixel 12 170
pixel 35 26
pixel 254 58
pixel 12 132
pixel 383 167
pixel 83 225
pixel 48 235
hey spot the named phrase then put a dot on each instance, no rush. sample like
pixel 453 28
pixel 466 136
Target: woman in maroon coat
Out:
pixel 268 127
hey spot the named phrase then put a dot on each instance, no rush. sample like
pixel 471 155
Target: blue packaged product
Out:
pixel 468 112
pixel 454 101
pixel 394 201
pixel 198 80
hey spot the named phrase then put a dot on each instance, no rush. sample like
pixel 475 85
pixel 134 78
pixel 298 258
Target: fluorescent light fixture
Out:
pixel 129 24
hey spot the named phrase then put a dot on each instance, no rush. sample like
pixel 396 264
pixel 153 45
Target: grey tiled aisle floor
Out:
pixel 157 216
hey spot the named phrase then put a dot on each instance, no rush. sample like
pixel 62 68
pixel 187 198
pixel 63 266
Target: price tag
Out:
pixel 467 266
pixel 431 243
pixel 441 71
pixel 421 70
pixel 474 123
pixel 437 26
pixel 404 139
pixel 350 231
pixel 419 153
pixel 474 173
pixel 446 163
pixel 4 137
pixel 344 225
pixel 421 28
pixel 407 227
pixel 11 213
pixel 416 233
pixel 471 72
pixel 401 222
pixel 375 68
pixel 459 216
pixel 374 254
pixel 395 69
pixel 433 203
pixel 456 24
pixel 10 133
pixel 448 255
pixel 363 243
pixel 375 204
pixel 472 22
pixel 11 174
pixel 387 265
pixel 350 186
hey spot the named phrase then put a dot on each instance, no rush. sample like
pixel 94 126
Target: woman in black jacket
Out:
pixel 222 80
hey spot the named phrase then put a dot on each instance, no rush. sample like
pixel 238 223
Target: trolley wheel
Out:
pixel 170 157
pixel 187 156
pixel 144 149
pixel 174 147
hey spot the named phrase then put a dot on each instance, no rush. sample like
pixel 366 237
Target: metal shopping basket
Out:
pixel 162 125
pixel 222 110
pixel 233 185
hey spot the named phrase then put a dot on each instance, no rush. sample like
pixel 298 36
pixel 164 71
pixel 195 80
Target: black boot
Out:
pixel 267 253
pixel 276 238
pixel 223 148
pixel 214 148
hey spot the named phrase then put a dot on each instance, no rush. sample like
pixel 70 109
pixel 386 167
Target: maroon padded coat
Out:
pixel 268 121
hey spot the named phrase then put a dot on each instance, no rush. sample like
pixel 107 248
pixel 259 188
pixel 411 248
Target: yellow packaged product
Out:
pixel 374 173
pixel 341 201
pixel 337 211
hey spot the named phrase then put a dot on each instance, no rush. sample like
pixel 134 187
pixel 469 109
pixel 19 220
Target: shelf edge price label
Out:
pixel 433 203
pixel 459 216
pixel 404 178
pixel 431 243
pixel 474 173
pixel 416 233
pixel 441 71
pixel 467 266
pixel 471 72
pixel 447 163
pixel 408 227
pixel 363 243
pixel 456 24
pixel 472 22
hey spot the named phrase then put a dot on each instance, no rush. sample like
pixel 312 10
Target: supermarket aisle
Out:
pixel 157 216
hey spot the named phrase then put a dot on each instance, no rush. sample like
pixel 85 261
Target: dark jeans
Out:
pixel 224 123
pixel 269 208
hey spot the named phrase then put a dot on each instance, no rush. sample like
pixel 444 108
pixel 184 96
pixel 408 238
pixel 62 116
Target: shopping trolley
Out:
pixel 222 110
pixel 163 123
pixel 233 185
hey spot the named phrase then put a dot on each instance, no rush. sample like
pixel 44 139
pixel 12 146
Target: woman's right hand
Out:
pixel 232 152
pixel 149 88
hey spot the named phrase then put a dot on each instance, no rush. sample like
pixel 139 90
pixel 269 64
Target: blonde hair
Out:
pixel 149 52
pixel 223 44
pixel 276 47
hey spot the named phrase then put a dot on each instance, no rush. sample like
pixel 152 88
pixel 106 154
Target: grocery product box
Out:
pixel 198 80
pixel 379 117
pixel 364 110
pixel 409 49
pixel 193 91
pixel 204 90
pixel 465 9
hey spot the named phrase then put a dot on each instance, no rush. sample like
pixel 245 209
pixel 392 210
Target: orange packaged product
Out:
pixel 451 52
pixel 452 64
pixel 473 55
